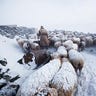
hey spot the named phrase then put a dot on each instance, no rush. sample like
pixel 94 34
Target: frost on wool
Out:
pixel 65 79
pixel 40 78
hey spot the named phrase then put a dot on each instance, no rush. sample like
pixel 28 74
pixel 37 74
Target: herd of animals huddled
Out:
pixel 66 47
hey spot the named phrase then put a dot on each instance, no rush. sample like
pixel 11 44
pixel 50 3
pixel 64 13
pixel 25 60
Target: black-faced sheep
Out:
pixel 76 59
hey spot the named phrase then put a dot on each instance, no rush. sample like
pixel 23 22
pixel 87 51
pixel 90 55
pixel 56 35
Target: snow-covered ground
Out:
pixel 10 50
pixel 87 80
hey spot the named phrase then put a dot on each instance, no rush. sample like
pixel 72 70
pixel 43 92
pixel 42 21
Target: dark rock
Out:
pixel 3 61
pixel 14 78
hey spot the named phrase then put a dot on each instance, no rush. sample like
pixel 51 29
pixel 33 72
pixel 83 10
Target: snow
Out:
pixel 10 50
pixel 87 80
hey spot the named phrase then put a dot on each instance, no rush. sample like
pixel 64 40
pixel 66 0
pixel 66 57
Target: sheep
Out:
pixel 75 47
pixel 39 79
pixel 68 44
pixel 55 55
pixel 57 44
pixel 76 59
pixel 21 41
pixel 94 41
pixel 81 46
pixel 76 40
pixel 34 46
pixel 89 41
pixel 62 51
pixel 26 58
pixel 47 92
pixel 65 80
pixel 26 47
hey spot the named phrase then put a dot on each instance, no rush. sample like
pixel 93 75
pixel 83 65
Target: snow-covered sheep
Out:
pixel 39 79
pixel 55 38
pixel 55 55
pixel 81 46
pixel 34 46
pixel 94 41
pixel 75 46
pixel 76 59
pixel 89 41
pixel 47 92
pixel 21 41
pixel 62 51
pixel 76 40
pixel 65 80
pixel 68 44
pixel 26 47
pixel 57 44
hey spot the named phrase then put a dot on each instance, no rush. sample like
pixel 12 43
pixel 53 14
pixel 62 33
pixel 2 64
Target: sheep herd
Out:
pixel 65 59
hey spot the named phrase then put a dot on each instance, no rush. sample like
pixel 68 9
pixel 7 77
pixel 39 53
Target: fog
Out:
pixel 75 15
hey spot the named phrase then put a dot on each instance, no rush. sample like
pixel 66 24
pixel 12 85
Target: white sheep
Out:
pixel 57 44
pixel 89 41
pixel 75 46
pixel 76 59
pixel 65 80
pixel 34 46
pixel 21 41
pixel 76 40
pixel 68 44
pixel 39 79
pixel 62 51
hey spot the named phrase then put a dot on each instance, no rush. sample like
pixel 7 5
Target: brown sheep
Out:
pixel 26 58
pixel 41 57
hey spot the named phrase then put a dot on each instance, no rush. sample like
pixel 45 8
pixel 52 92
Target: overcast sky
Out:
pixel 75 15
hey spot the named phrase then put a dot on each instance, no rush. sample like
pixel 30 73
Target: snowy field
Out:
pixel 10 50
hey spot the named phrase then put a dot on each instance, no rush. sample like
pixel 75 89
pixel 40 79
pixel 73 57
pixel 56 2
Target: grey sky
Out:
pixel 79 15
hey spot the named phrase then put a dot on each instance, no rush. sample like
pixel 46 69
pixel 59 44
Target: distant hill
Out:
pixel 13 30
